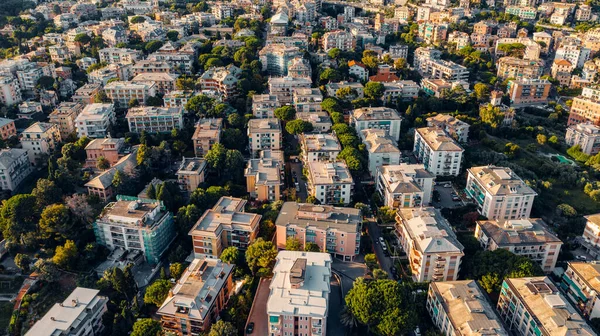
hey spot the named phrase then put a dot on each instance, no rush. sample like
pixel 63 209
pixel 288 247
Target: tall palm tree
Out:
pixel 347 319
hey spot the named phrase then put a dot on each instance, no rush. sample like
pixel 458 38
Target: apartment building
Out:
pixel 264 105
pixel 320 121
pixel 94 120
pixel 121 92
pixel 534 306
pixel 102 185
pixel 191 173
pixel 583 13
pixel 265 176
pixel 40 140
pixel 356 88
pixel 79 314
pixel 59 53
pixel 381 148
pixel 529 91
pixel 10 92
pixel 384 118
pixel 177 98
pixel 264 134
pixel 64 117
pixel 112 149
pixel 434 252
pixel 86 93
pixel 154 119
pixel 401 90
pixel 115 35
pixel 181 59
pixel 590 239
pixel 330 182
pixel 528 237
pixel 319 147
pixel 581 283
pixel 119 55
pixel 457 129
pixel 207 133
pixel 275 58
pixel 335 230
pixel 222 80
pixel 462 308
pixel 432 33
pixel 151 66
pixel 298 278
pixel 512 67
pixel 28 77
pixel 404 185
pixel 525 13
pixel 586 135
pixel 339 39
pixel 197 298
pixel 7 128
pixel 358 70
pixel 14 168
pixel 561 71
pixel 165 82
pixel 440 154
pixel 284 87
pixel 307 100
pixel 226 224
pixel 137 224
pixel 499 193
pixel 586 107
pixel 574 52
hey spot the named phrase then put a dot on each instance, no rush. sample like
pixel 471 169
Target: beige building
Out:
pixel 434 252
pixel 207 133
pixel 226 224
pixel 529 238
pixel 10 91
pixel 319 147
pixel 307 100
pixel 264 134
pixel 95 120
pixel 440 154
pixel 264 105
pixel 586 135
pixel 586 107
pixel 265 175
pixel 191 173
pixel 499 193
pixel 121 93
pixel 528 91
pixel 154 119
pixel 591 235
pixel 40 140
pixel 456 128
pixel 320 121
pixel 405 185
pixel 222 80
pixel 165 82
pixel 330 182
pixel 64 117
pixel 462 308
pixel 561 71
pixel 382 149
pixel 581 282
pixel 512 67
pixel 86 93
pixel 535 306
pixel 339 39
pixel 284 87
pixel 14 168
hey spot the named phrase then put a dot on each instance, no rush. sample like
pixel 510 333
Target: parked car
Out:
pixel 250 328
pixel 381 240
pixel 383 247
pixel 582 258
pixel 447 185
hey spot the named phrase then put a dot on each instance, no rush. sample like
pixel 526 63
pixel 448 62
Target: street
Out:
pixel 384 261
pixel 297 168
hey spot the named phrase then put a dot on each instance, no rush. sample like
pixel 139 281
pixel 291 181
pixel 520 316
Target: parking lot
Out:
pixel 445 196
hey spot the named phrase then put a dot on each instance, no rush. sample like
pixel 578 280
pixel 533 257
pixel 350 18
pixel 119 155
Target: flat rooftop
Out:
pixel 320 216
pixel 500 181
pixel 229 213
pixel 329 173
pixel 529 231
pixel 376 113
pixel 208 128
pixel 400 179
pixel 264 125
pixel 320 142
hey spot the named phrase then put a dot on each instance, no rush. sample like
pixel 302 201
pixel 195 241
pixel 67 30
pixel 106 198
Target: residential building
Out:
pixel 456 128
pixel 307 100
pixel 86 93
pixel 119 55
pixel 330 182
pixel 590 239
pixel 121 93
pixel 586 107
pixel 222 81
pixel 14 168
pixel 528 91
pixel 400 90
pixel 320 121
pixel 226 224
pixel 434 252
pixel 583 13
pixel 165 82
pixel 284 87
pixel 264 134
pixel 357 90
pixel 440 154
pixel 154 119
pixel 94 120
pixel 102 185
pixel 265 176
pixel 7 128
pixel 581 282
pixel 586 135
pixel 339 39
pixel 28 108
pixel 499 193
pixel 207 133
pixel 432 33
pixel 40 140
pixel 534 306
pixel 79 314
pixel 151 66
pixel 191 173
pixel 299 277
pixel 527 237
pixel 462 308
pixel 545 38
pixel 319 147
pixel 181 59
pixel 10 92
pixel 561 71
pixel 112 149
pixel 197 297
pixel 512 67
pixel 358 70
pixel 137 224
pixel 525 13
pixel 573 52
pixel 264 105
pixel 382 149
pixel 275 58
pixel 404 185
pixel 399 51
pixel 384 118
pixel 177 98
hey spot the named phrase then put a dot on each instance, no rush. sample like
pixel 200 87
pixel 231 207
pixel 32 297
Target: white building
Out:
pixel 40 140
pixel 14 168
pixel 119 55
pixel 382 149
pixel 581 284
pixel 283 87
pixel 330 182
pixel 457 129
pixel 121 93
pixel 264 105
pixel 10 92
pixel 154 119
pixel 94 121
pixel 319 147
pixel 384 118
pixel 499 193
pixel 441 155
pixel 574 53
pixel 405 185
pixel 586 135
pixel 275 58
pixel 264 134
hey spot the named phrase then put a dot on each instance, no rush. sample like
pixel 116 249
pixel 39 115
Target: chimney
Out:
pixel 52 318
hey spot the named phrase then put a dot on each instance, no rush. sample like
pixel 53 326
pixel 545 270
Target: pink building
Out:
pixel 334 229
pixel 111 149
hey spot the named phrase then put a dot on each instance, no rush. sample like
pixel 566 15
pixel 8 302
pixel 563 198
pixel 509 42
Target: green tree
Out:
pixel 173 35
pixel 101 98
pixel 137 19
pixel 337 118
pixel 151 191
pixel 102 163
pixel 298 126
pixel 374 90
pixel 18 216
pixel 371 261
pixel 230 255
pixel 490 282
pixel 82 38
pixel 22 261
pixel 66 255
pixel 55 221
pixel 541 139
pixel 46 192
pixel 153 46
pixel 133 103
pixel 331 105
pixel 491 115
pixel 261 254
pixel 215 157
pixel 329 75
pixel 351 156
pixel 157 292
pixel 334 53
pixel 146 327
pixel 222 328
pixel 176 270
pixel 293 244
pixel 378 273
pixel 482 91
pixel 186 84
pixel 285 113
pixel 45 82
pixel 312 247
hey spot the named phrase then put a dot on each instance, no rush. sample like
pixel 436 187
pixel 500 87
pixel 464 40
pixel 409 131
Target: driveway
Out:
pixel 445 196
pixel 348 272
pixel 336 302
pixel 297 167
pixel 384 261
pixel 258 312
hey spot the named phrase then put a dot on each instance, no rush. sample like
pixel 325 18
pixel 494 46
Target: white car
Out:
pixel 381 240
pixel 447 185
pixel 582 258
pixel 383 247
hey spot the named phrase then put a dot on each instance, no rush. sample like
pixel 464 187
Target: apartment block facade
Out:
pixel 384 118
pixel 64 117
pixel 154 119
pixel 456 128
pixel 440 154
pixel 330 182
pixel 207 133
pixel 94 120
pixel 405 185
pixel 586 135
pixel 40 140
pixel 319 147
pixel 264 134
pixel 14 168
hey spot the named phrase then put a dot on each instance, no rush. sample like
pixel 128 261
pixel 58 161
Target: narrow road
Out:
pixel 384 261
